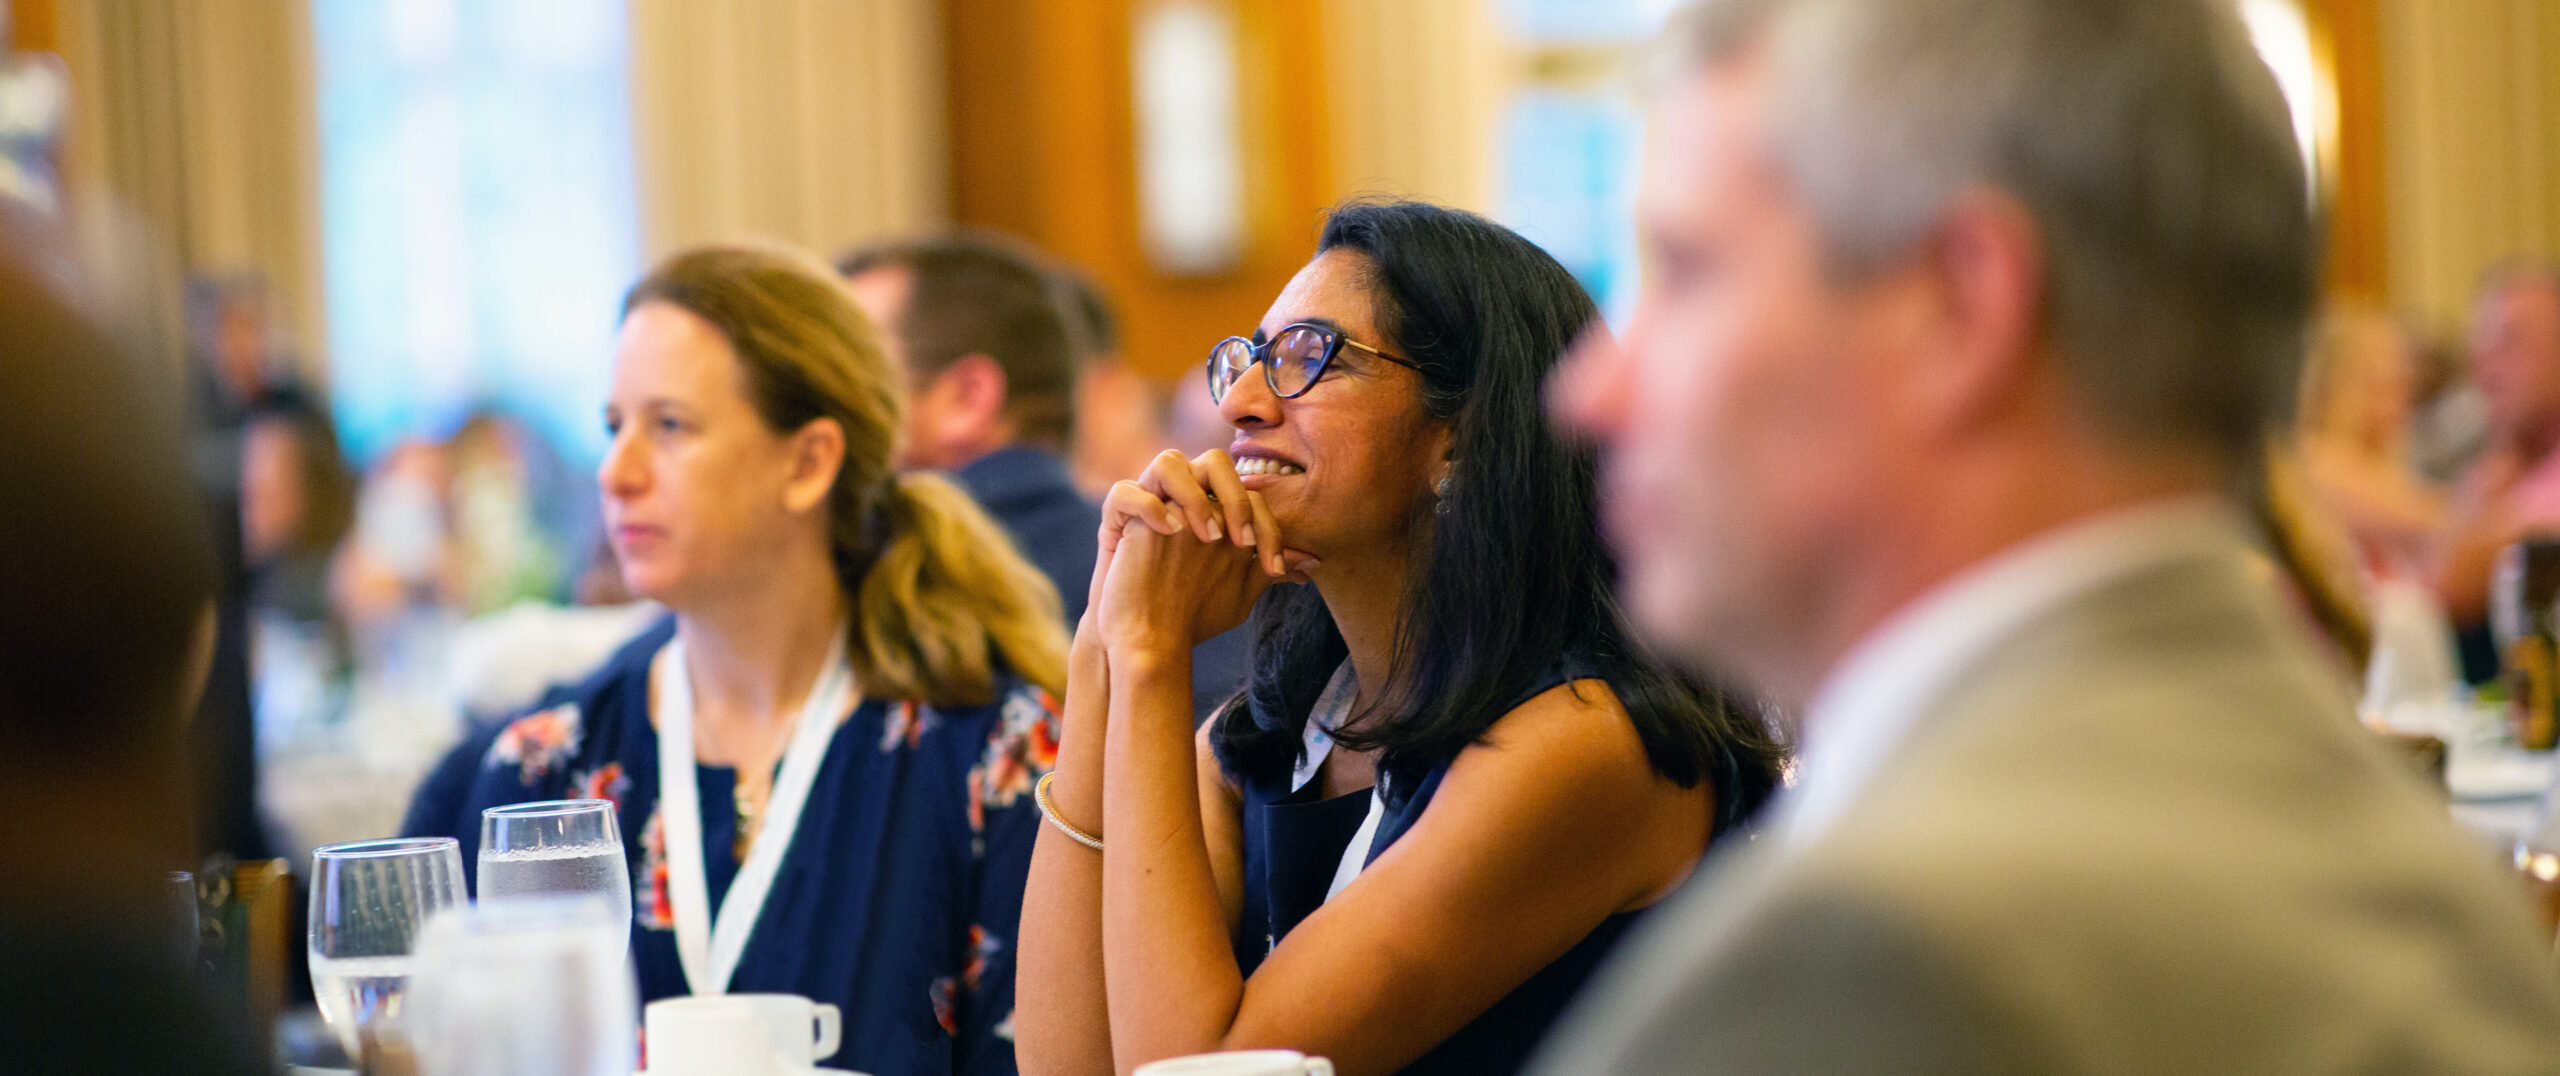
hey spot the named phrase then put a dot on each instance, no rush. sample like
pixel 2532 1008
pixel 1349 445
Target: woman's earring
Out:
pixel 1440 496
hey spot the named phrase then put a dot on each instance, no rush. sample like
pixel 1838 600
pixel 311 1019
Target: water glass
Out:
pixel 369 899
pixel 557 847
pixel 529 986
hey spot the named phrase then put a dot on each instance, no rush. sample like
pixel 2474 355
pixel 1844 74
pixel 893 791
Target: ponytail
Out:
pixel 945 590
pixel 939 596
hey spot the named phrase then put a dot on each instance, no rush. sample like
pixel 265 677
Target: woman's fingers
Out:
pixel 1266 528
pixel 1296 563
pixel 1215 470
pixel 1127 501
pixel 1170 479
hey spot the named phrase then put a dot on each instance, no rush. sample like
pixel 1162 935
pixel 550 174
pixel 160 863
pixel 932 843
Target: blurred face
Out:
pixel 2515 351
pixel 1738 418
pixel 272 501
pixel 882 294
pixel 1346 464
pixel 697 490
pixel 2376 375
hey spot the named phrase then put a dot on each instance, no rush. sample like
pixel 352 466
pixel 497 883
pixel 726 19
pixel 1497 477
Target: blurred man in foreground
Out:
pixel 990 361
pixel 1959 315
pixel 2513 491
pixel 106 626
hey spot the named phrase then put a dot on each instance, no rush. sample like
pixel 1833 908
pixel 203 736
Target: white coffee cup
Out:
pixel 710 1036
pixel 1240 1063
pixel 790 1021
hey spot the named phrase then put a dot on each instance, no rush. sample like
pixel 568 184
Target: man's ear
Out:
pixel 1986 261
pixel 817 456
pixel 976 389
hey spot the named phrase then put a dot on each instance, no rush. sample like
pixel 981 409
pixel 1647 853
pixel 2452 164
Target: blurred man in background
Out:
pixel 1120 426
pixel 1119 412
pixel 1959 316
pixel 107 582
pixel 2513 490
pixel 990 360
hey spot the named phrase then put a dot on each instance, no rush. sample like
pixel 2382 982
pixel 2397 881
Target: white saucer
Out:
pixel 821 1071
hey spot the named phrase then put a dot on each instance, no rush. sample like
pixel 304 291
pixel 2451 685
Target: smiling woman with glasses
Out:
pixel 1292 359
pixel 1451 781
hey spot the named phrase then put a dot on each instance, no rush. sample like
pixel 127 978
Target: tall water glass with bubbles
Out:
pixel 369 900
pixel 557 847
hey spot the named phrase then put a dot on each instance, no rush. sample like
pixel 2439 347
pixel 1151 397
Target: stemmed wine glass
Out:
pixel 369 899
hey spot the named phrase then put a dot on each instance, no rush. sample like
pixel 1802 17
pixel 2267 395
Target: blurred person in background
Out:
pixel 529 624
pixel 2513 490
pixel 1119 411
pixel 2351 432
pixel 237 364
pixel 107 582
pixel 977 324
pixel 2448 417
pixel 297 501
pixel 503 482
pixel 834 742
pixel 1453 783
pixel 1959 318
pixel 2350 513
pixel 395 563
pixel 1120 428
pixel 1193 420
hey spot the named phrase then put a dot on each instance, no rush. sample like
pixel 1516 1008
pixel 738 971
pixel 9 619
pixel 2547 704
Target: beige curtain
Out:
pixel 1413 87
pixel 193 142
pixel 2472 114
pixel 811 122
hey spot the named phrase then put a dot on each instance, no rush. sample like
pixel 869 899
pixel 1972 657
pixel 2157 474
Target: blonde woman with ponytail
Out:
pixel 823 764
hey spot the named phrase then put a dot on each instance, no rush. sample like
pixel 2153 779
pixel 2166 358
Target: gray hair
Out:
pixel 2145 137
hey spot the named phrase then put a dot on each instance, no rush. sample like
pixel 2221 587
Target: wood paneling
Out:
pixel 35 25
pixel 2348 35
pixel 1042 146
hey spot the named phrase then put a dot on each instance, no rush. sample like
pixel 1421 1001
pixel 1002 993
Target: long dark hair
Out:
pixel 1510 575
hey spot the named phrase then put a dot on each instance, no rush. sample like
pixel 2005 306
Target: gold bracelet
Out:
pixel 1048 810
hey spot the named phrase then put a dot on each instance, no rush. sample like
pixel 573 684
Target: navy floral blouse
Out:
pixel 898 898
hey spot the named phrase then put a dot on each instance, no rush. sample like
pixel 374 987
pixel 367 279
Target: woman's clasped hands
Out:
pixel 1204 549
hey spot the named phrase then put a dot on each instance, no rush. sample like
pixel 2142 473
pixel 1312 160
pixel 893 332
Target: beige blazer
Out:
pixel 2142 835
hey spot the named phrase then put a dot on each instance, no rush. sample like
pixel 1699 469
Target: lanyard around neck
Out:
pixel 710 944
pixel 1332 708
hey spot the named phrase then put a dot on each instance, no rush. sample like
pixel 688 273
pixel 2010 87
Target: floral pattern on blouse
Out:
pixel 651 907
pixel 905 726
pixel 905 934
pixel 945 992
pixel 538 743
pixel 983 946
pixel 1021 747
pixel 605 782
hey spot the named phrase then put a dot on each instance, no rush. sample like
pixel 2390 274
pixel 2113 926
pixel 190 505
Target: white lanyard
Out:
pixel 1332 708
pixel 710 945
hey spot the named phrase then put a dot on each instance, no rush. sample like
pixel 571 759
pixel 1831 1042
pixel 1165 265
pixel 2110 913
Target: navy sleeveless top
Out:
pixel 1294 842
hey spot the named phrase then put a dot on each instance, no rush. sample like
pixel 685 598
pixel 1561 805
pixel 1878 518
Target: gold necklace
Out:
pixel 750 818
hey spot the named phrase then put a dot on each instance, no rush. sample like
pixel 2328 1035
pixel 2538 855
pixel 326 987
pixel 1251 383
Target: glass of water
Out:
pixel 369 899
pixel 528 986
pixel 557 847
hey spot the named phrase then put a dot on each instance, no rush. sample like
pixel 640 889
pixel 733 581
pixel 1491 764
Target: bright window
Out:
pixel 1571 136
pixel 477 211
